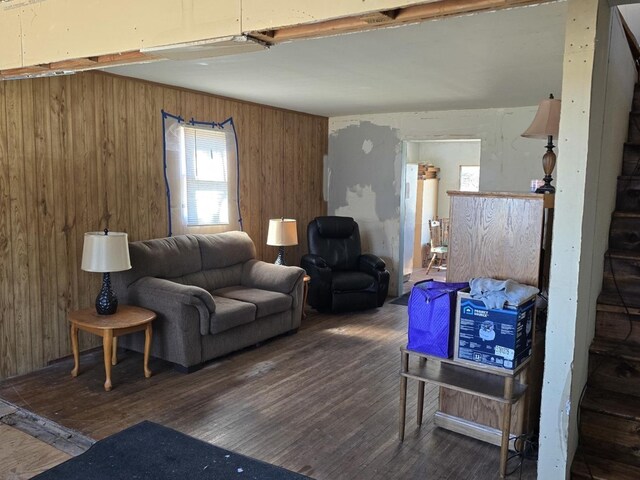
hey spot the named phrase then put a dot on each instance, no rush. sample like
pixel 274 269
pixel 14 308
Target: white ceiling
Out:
pixel 507 58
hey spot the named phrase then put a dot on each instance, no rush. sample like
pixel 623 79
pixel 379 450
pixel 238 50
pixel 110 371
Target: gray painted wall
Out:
pixel 364 164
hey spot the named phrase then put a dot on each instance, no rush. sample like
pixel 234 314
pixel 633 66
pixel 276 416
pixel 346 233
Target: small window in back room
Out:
pixel 469 178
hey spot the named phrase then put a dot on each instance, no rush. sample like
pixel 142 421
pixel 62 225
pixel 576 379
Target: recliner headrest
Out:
pixel 335 227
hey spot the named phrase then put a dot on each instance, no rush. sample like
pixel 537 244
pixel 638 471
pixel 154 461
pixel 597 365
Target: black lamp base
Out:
pixel 280 259
pixel 547 187
pixel 106 301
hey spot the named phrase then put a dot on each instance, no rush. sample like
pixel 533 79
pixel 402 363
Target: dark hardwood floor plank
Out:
pixel 323 402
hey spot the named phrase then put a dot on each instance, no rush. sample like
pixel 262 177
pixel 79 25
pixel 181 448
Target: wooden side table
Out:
pixel 127 319
pixel 494 385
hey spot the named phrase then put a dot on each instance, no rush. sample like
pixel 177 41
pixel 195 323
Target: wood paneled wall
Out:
pixel 83 152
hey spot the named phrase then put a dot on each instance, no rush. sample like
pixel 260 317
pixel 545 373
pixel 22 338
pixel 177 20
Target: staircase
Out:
pixel 609 423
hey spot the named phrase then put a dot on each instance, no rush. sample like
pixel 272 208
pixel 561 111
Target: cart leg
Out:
pixel 420 402
pixel 403 395
pixel 506 425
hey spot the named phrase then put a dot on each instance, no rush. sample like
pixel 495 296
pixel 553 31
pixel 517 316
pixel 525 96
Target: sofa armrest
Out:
pixel 268 276
pixel 168 297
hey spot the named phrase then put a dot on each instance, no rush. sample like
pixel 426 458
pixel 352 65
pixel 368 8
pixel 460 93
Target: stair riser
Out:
pixel 634 128
pixel 636 100
pixel 614 374
pixel 603 431
pixel 627 278
pixel 631 167
pixel 631 156
pixel 628 195
pixel 618 326
pixel 624 233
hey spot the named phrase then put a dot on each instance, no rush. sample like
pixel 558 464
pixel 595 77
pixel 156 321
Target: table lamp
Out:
pixel 546 124
pixel 105 253
pixel 282 232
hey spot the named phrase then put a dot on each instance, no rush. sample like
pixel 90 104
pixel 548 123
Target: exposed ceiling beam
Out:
pixel 66 67
pixel 411 14
pixel 367 21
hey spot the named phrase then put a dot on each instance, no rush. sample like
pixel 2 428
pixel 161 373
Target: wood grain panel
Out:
pixel 496 235
pixel 18 219
pixel 30 187
pixel 7 328
pixel 84 152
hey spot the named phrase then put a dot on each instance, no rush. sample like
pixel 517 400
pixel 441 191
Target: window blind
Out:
pixel 207 181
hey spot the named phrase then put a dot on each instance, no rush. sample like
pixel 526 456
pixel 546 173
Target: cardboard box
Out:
pixel 497 339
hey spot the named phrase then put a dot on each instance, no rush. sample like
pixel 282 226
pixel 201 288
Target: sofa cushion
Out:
pixel 265 301
pixel 230 313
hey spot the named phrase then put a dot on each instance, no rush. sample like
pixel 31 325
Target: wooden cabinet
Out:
pixel 497 235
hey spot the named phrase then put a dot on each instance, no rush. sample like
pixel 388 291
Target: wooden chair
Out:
pixel 439 230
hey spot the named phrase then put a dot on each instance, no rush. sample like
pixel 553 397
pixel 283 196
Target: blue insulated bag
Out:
pixel 432 308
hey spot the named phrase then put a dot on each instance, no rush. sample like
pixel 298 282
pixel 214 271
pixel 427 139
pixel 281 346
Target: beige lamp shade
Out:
pixel 546 121
pixel 105 253
pixel 282 232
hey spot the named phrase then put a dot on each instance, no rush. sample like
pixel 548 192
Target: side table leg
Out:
pixel 76 352
pixel 403 395
pixel 114 353
pixel 420 402
pixel 147 349
pixel 506 425
pixel 107 345
pixel 304 297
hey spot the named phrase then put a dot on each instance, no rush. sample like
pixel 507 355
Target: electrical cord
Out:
pixel 526 448
pixel 624 304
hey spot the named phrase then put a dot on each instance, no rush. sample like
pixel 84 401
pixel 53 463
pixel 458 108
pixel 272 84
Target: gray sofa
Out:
pixel 211 296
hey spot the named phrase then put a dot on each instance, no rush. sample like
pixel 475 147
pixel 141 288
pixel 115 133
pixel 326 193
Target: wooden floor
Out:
pixel 323 402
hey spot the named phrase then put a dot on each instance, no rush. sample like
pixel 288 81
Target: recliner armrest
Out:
pixel 371 264
pixel 165 296
pixel 313 260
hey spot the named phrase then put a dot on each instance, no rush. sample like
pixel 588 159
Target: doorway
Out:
pixel 430 168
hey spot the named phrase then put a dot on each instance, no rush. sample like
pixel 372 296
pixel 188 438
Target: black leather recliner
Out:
pixel 342 278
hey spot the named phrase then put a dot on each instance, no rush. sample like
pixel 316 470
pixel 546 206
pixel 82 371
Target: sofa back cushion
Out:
pixel 209 261
pixel 168 258
pixel 225 249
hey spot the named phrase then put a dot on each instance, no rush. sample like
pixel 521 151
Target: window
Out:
pixel 206 199
pixel 202 175
pixel 469 178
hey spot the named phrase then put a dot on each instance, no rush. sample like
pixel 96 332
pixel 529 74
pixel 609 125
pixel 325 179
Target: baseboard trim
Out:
pixel 471 429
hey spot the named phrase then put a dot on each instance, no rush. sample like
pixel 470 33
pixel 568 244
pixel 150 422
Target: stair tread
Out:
pixel 614 348
pixel 587 465
pixel 611 403
pixel 627 254
pixel 603 307
pixel 622 214
pixel 612 298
